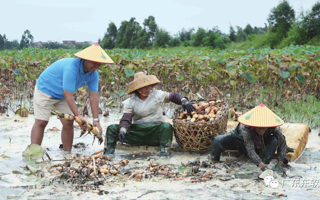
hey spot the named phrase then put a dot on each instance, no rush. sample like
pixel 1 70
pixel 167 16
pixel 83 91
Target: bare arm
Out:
pixel 282 145
pixel 249 144
pixel 94 103
pixel 72 105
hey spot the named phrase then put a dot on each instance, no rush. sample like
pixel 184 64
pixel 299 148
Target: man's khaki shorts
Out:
pixel 43 105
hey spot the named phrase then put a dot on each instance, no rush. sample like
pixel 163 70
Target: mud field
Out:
pixel 191 175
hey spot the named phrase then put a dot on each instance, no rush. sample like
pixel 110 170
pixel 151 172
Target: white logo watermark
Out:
pixel 270 181
pixel 296 183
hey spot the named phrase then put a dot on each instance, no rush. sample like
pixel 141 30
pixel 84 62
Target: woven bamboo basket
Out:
pixel 198 136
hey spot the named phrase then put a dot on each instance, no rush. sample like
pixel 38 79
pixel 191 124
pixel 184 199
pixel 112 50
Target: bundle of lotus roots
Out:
pixel 90 129
pixel 204 111
pixel 94 166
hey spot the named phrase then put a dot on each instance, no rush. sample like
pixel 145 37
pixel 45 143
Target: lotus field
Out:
pixel 286 80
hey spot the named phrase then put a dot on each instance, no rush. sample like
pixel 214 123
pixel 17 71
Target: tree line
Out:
pixel 131 35
pixel 27 40
pixel 283 29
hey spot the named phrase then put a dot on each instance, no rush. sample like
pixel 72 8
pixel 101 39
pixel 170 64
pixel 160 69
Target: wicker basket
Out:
pixel 198 136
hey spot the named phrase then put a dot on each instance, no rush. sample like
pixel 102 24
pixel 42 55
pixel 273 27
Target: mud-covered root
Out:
pixel 95 132
pixel 114 172
pixel 137 176
pixel 124 162
pixel 90 128
pixel 78 120
pixel 64 116
pixel 24 112
pixel 57 165
pixel 83 131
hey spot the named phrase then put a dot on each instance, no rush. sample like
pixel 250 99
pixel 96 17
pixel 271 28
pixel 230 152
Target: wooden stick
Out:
pixel 98 152
pixel 303 116
pixel 21 186
pixel 48 156
pixel 94 165
pixel 37 162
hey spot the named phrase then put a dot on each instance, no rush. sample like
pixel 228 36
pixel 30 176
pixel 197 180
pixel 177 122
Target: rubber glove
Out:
pixel 122 134
pixel 187 105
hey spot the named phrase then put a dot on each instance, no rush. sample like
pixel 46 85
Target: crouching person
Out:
pixel 258 135
pixel 142 122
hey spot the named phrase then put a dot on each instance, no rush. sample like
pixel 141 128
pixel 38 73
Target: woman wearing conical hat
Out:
pixel 258 135
pixel 142 122
pixel 56 85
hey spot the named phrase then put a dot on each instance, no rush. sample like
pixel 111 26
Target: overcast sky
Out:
pixel 87 20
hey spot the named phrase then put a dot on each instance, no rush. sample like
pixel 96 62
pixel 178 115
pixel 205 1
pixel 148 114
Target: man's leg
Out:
pixel 111 138
pixel 37 131
pixel 271 146
pixel 67 133
pixel 42 104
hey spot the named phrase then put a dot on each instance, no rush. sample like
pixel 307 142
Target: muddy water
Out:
pixel 301 181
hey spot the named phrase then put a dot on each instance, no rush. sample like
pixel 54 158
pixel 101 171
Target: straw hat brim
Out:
pixel 263 126
pixel 94 53
pixel 261 117
pixel 142 82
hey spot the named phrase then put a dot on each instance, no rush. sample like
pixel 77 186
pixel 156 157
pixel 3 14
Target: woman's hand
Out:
pixel 187 105
pixel 262 165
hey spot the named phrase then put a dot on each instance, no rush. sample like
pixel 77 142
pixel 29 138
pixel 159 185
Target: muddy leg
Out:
pixel 37 131
pixel 67 134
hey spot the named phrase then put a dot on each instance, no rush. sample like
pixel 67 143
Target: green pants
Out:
pixel 146 134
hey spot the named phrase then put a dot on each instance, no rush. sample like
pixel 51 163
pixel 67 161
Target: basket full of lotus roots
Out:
pixel 195 131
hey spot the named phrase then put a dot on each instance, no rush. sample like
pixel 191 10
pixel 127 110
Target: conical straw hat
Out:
pixel 94 53
pixel 260 116
pixel 141 80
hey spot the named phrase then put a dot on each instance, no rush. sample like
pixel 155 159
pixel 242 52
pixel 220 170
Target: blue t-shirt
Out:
pixel 66 74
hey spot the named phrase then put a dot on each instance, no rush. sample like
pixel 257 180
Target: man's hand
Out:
pixel 84 125
pixel 187 105
pixel 97 124
pixel 122 134
pixel 262 165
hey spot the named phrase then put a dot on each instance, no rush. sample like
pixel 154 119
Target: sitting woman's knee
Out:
pixel 167 125
pixel 112 129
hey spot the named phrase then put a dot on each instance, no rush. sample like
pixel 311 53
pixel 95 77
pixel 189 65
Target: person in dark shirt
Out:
pixel 258 135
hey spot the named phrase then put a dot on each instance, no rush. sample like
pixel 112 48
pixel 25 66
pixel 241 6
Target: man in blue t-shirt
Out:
pixel 55 87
